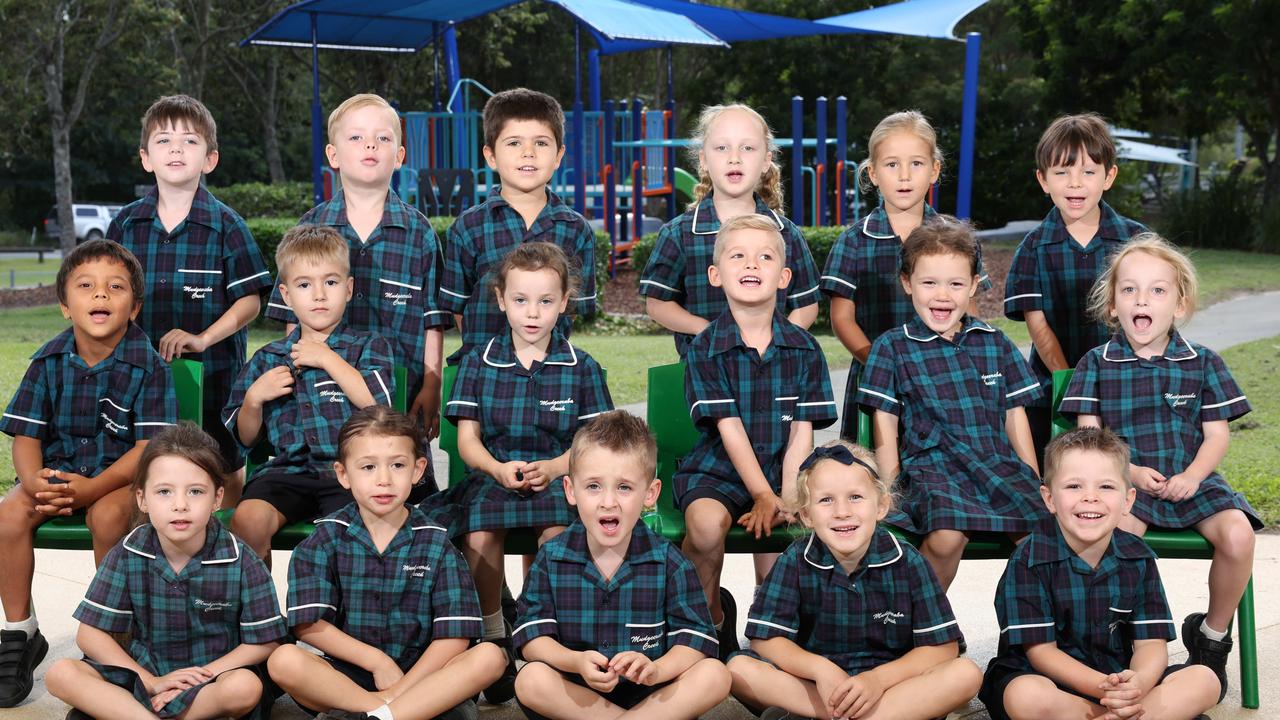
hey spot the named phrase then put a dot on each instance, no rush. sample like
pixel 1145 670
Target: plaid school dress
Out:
pixel 524 414
pixel 652 603
pixel 1052 273
pixel 865 266
pixel 724 378
pixel 958 471
pixel 223 597
pixel 677 268
pixel 399 600
pixel 395 274
pixel 85 417
pixel 478 241
pixel 889 606
pixel 1158 406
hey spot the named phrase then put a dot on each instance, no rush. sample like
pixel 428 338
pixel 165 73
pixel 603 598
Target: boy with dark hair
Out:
pixel 523 143
pixel 205 274
pixel 1058 262
pixel 89 402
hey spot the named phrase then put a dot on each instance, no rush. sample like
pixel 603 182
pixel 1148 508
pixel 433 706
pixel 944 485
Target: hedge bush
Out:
pixel 267 200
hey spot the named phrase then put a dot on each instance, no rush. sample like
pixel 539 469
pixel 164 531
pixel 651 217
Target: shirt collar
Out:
pixel 339 338
pixel 555 209
pixel 645 546
pixel 705 221
pixel 726 335
pixel 876 223
pixel 884 549
pixel 220 547
pixel 917 330
pixel 203 209
pixel 134 348
pixel 1048 545
pixel 500 351
pixel 1118 350
pixel 1111 226
pixel 353 526
pixel 395 213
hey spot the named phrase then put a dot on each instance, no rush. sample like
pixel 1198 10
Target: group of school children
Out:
pixel 398 594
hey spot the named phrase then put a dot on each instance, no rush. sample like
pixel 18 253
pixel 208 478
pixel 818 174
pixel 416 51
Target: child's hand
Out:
pixel 1180 487
pixel 763 515
pixel 180 680
pixel 537 475
pixel 312 353
pixel 828 681
pixel 856 696
pixel 511 476
pixel 274 383
pixel 159 700
pixel 175 342
pixel 1146 479
pixel 634 666
pixel 594 669
pixel 386 673
pixel 1121 695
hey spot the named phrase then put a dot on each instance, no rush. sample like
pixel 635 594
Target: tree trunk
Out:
pixel 270 115
pixel 62 184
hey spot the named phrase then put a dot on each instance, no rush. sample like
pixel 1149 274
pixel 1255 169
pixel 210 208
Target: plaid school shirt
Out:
pixel 1048 594
pixel 725 378
pixel 303 426
pixel 652 603
pixel 85 417
pixel 1052 273
pixel 395 273
pixel 417 590
pixel 1159 406
pixel 891 604
pixel 677 268
pixel 478 241
pixel 952 396
pixel 195 273
pixel 223 597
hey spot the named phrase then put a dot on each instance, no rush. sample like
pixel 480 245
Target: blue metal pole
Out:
pixel 968 122
pixel 317 122
pixel 453 75
pixel 611 181
pixel 637 162
pixel 579 127
pixel 797 160
pixel 842 153
pixel 672 153
pixel 593 77
pixel 820 158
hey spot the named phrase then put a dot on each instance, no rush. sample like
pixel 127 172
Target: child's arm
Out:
pixel 437 654
pixel 327 638
pixel 1047 345
pixel 864 690
pixel 427 403
pixel 1061 668
pixel 175 342
pixel 843 321
pixel 539 474
pixel 886 440
pixel 274 383
pixel 1019 432
pixel 767 505
pixel 1148 480
pixel 796 661
pixel 102 648
pixel 473 452
pixel 1217 436
pixel 672 316
pixel 244 655
pixel 799 445
pixel 803 316
pixel 591 665
pixel 310 353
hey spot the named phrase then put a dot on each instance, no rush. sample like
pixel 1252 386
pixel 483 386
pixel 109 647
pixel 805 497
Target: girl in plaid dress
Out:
pixel 199 605
pixel 851 622
pixel 518 400
pixel 948 391
pixel 1171 400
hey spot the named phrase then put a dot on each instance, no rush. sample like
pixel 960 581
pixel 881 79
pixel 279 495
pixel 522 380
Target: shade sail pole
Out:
pixel 968 122
pixel 317 134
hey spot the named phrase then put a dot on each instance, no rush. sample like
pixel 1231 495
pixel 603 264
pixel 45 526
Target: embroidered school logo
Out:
pixel 786 417
pixel 1179 400
pixel 334 396
pixel 992 378
pixel 196 292
pixel 112 425
pixel 416 571
pixel 556 405
pixel 646 642
pixel 888 617
pixel 210 605
pixel 397 298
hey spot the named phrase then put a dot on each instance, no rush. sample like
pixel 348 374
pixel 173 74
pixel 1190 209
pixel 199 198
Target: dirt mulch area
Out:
pixel 622 296
pixel 28 297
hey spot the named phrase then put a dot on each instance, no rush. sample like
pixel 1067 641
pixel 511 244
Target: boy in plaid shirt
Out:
pixel 1084 625
pixel 523 142
pixel 612 618
pixel 89 402
pixel 297 392
pixel 205 274
pixel 380 591
pixel 757 387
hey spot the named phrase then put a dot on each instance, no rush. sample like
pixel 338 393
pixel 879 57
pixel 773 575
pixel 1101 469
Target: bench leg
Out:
pixel 1248 636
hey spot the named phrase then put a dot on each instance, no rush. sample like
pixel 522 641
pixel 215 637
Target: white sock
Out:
pixel 1210 632
pixel 382 713
pixel 28 626
pixel 494 628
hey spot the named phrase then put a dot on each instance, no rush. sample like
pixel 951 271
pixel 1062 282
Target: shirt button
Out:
pixel 83 469
pixel 311 439
pixel 360 295
pixel 604 645
pixel 362 253
pixel 84 441
pixel 166 241
pixel 163 281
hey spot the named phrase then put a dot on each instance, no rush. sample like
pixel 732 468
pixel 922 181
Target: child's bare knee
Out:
pixel 533 681
pixel 712 676
pixel 108 518
pixel 1238 538
pixel 966 675
pixel 242 689
pixel 61 675
pixel 286 664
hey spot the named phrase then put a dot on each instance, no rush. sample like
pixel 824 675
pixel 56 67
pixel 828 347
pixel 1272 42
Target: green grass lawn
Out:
pixel 27 271
pixel 1251 464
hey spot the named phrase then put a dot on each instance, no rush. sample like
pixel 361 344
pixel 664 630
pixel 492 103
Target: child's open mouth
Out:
pixel 528 168
pixel 610 525
pixel 384 499
pixel 1141 323
pixel 733 176
pixel 750 281
pixel 845 530
pixel 1075 202
pixel 179 524
pixel 1089 516
pixel 99 315
pixel 941 314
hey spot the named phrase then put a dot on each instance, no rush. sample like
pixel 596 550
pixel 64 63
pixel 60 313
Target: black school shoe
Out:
pixel 727 635
pixel 509 605
pixel 504 688
pixel 18 660
pixel 1203 651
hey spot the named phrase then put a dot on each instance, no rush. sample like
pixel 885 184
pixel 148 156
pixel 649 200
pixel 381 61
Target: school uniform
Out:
pixel 302 427
pixel 865 266
pixel 958 468
pixel 652 603
pixel 223 597
pixel 399 600
pixel 891 604
pixel 524 414
pixel 677 268
pixel 1158 406
pixel 479 240
pixel 193 275
pixel 1094 615
pixel 395 273
pixel 86 418
pixel 724 378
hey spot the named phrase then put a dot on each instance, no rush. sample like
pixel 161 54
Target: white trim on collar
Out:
pixel 808 546
pixel 573 355
pixel 896 545
pixel 222 561
pixel 1191 350
pixel 697 208
pixel 134 550
pixel 866 232
pixel 906 329
pixel 491 363
pixel 977 325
